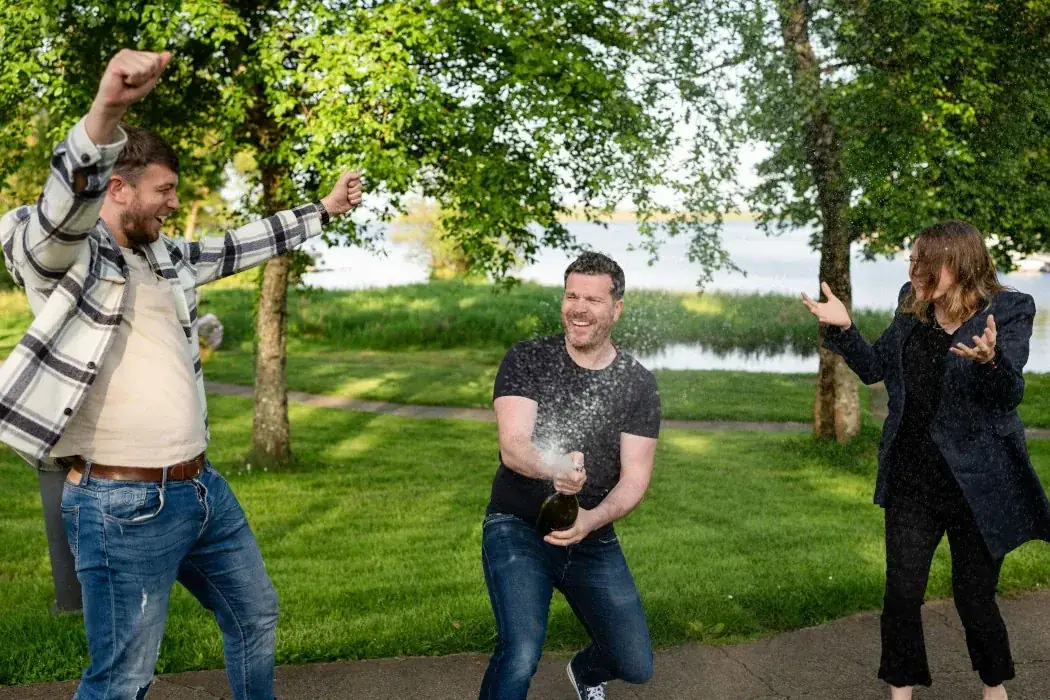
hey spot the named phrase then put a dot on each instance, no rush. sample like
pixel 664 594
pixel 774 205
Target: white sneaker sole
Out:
pixel 572 679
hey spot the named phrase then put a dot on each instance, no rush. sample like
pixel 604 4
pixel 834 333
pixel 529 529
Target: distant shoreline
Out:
pixel 623 215
pixel 425 216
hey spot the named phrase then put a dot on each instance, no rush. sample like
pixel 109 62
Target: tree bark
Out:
pixel 191 220
pixel 271 432
pixel 836 412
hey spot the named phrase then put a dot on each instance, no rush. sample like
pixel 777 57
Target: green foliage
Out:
pixel 5 278
pixel 949 110
pixel 54 53
pixel 497 110
pixel 940 108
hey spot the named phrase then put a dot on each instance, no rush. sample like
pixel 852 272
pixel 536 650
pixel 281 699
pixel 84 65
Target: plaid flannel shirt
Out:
pixel 74 276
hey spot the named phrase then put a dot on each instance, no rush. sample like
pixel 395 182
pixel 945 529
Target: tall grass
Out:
pixel 445 315
pixel 452 314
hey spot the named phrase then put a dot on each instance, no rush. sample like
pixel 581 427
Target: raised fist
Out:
pixel 130 76
pixel 345 195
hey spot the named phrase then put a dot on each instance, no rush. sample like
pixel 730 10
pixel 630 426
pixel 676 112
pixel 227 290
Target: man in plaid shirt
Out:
pixel 107 383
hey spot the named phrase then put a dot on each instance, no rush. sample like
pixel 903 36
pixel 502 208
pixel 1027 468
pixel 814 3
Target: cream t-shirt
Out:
pixel 143 409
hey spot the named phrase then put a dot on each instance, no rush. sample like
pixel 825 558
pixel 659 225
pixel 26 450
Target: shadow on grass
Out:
pixel 461 378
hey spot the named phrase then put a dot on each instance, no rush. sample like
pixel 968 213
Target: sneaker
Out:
pixel 585 692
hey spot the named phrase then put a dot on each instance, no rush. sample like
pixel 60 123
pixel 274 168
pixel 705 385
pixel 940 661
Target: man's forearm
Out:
pixel 102 123
pixel 215 257
pixel 624 498
pixel 522 456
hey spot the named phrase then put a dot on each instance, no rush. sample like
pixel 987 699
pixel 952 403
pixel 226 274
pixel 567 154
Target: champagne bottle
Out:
pixel 559 511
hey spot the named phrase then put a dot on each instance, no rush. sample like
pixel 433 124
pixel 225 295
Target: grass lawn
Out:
pixel 464 378
pixel 374 545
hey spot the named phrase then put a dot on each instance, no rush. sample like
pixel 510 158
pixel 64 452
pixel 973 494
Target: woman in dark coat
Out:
pixel 953 456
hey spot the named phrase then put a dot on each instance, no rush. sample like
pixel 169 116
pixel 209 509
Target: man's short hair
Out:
pixel 144 147
pixel 591 263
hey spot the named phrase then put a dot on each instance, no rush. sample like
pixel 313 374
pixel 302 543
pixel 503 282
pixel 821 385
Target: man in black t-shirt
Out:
pixel 572 398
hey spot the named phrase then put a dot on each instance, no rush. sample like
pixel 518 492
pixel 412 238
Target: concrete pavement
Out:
pixel 837 661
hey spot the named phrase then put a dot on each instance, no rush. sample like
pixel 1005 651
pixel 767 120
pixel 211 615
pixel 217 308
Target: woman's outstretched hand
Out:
pixel 831 312
pixel 983 350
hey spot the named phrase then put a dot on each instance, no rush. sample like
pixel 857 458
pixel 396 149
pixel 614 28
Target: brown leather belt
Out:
pixel 177 472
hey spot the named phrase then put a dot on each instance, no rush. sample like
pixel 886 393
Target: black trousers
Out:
pixel 913 531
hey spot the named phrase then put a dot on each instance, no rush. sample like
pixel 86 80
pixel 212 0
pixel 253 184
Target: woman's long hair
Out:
pixel 961 247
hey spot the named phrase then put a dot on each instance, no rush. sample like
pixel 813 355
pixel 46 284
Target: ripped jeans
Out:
pixel 131 541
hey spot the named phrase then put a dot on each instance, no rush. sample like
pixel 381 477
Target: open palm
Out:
pixel 983 349
pixel 831 312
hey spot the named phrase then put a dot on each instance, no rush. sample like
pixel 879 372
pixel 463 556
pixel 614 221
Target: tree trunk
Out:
pixel 271 434
pixel 191 220
pixel 836 413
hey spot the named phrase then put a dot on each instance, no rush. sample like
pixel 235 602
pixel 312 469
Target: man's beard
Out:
pixel 136 226
pixel 600 331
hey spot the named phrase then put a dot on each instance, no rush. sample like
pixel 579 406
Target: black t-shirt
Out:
pixel 920 474
pixel 578 410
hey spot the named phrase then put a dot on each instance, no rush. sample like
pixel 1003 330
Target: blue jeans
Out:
pixel 131 541
pixel 522 571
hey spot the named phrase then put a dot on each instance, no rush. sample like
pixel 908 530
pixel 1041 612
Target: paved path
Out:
pixel 837 661
pixel 481 414
pixel 484 414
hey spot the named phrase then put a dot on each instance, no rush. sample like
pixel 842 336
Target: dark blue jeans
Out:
pixel 131 541
pixel 522 571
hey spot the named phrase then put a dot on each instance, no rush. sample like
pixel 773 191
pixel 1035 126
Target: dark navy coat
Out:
pixel 976 426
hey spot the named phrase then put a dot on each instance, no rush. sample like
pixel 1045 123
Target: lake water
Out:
pixel 783 264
